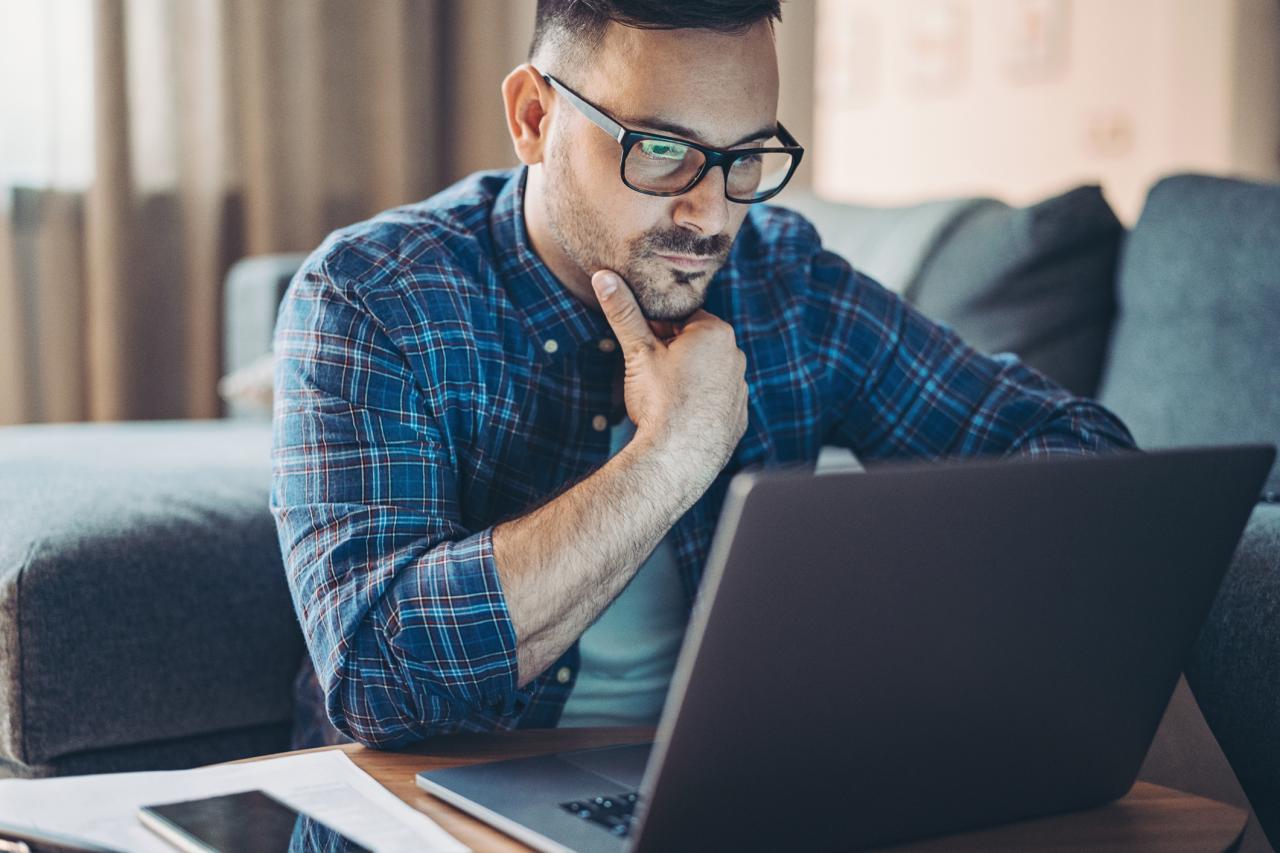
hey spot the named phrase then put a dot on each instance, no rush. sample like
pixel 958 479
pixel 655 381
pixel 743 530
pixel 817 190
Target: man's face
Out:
pixel 706 87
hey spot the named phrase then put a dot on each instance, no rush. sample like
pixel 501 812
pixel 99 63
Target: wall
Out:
pixel 795 40
pixel 931 98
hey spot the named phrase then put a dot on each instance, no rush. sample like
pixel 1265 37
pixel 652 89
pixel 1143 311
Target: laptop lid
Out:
pixel 923 649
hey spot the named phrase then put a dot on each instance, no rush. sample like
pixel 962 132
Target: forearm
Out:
pixel 562 564
pixel 922 392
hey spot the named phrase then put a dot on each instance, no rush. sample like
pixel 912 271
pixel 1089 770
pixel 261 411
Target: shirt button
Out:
pixel 563 674
pixel 600 423
pixel 608 345
pixel 550 345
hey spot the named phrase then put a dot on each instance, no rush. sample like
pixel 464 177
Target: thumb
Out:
pixel 622 312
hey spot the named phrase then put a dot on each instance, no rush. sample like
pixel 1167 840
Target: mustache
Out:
pixel 684 243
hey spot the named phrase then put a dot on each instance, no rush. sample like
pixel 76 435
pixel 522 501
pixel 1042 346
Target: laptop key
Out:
pixel 613 813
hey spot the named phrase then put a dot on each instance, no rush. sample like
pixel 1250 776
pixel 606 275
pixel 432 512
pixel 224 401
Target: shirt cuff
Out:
pixel 449 627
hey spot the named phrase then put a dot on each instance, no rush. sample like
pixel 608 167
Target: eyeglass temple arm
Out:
pixel 597 118
pixel 785 137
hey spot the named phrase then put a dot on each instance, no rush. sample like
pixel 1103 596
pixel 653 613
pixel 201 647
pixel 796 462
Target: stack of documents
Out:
pixel 324 785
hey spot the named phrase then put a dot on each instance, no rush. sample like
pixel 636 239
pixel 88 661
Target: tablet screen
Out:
pixel 238 823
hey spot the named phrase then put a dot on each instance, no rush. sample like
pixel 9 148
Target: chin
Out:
pixel 672 300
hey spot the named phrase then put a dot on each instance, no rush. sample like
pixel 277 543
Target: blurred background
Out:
pixel 146 145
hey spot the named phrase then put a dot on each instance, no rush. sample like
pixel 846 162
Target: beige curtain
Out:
pixel 225 128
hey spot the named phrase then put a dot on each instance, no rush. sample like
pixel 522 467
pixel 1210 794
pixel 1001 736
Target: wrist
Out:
pixel 689 462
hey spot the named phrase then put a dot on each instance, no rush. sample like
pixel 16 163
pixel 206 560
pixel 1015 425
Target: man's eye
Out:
pixel 663 150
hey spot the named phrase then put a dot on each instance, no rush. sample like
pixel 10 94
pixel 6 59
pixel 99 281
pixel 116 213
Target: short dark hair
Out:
pixel 582 23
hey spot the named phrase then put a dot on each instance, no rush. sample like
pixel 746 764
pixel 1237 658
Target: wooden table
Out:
pixel 1149 818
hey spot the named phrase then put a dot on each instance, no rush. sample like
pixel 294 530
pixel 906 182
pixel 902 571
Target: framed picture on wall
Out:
pixel 1037 39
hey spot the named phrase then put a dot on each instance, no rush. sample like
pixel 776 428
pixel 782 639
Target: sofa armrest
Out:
pixel 1233 668
pixel 142 596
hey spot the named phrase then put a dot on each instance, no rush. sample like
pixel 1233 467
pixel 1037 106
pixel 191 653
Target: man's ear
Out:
pixel 527 99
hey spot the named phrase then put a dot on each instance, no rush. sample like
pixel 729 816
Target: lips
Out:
pixel 687 262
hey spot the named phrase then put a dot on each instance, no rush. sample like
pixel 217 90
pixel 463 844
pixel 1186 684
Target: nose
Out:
pixel 704 208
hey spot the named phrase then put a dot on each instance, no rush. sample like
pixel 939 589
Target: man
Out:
pixel 506 416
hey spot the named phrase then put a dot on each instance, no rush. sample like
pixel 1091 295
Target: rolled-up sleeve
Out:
pixel 400 603
pixel 904 386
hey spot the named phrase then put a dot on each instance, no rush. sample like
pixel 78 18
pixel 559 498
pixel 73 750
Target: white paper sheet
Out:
pixel 327 785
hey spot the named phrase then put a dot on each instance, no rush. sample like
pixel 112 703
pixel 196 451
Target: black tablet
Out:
pixel 248 822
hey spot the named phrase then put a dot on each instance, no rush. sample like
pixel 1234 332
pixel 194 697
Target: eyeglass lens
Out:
pixel 669 167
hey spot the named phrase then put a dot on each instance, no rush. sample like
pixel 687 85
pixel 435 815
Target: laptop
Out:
pixel 912 651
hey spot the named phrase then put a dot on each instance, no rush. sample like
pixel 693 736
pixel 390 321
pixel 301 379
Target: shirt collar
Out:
pixel 557 322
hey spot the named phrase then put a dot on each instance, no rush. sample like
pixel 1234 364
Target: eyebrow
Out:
pixel 684 132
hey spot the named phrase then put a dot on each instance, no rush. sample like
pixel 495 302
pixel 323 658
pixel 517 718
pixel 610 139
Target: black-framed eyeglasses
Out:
pixel 660 165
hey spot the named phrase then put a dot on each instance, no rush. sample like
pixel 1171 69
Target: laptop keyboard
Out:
pixel 612 812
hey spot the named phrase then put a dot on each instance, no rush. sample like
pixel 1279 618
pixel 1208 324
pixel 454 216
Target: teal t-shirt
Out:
pixel 628 653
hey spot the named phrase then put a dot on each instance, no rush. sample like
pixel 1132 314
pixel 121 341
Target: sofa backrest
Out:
pixel 890 244
pixel 1195 353
pixel 251 298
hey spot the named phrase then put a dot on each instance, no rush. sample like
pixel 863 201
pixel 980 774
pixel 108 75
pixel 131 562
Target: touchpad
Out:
pixel 621 764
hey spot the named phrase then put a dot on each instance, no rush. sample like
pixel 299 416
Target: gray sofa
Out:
pixel 144 617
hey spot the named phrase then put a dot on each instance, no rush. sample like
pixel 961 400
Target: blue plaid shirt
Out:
pixel 434 378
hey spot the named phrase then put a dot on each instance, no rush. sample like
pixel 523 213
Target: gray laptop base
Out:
pixel 515 793
pixel 908 652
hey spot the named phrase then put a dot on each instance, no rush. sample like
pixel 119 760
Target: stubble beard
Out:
pixel 661 292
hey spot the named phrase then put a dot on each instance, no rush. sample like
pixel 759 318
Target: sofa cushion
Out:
pixel 890 244
pixel 1195 356
pixel 142 596
pixel 1037 281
